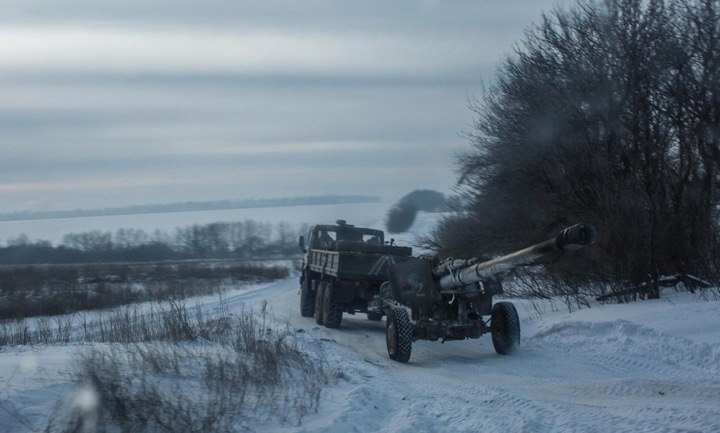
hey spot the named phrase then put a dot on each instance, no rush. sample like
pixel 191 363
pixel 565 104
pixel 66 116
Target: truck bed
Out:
pixel 350 265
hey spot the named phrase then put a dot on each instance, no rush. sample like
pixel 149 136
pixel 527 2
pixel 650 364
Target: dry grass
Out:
pixel 180 369
pixel 27 291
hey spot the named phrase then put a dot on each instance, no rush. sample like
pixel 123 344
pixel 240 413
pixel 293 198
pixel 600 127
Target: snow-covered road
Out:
pixel 647 367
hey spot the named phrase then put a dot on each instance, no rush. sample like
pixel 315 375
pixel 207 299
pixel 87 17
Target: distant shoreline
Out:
pixel 190 207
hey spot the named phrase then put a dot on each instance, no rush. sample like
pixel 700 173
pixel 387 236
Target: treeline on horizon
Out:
pixel 192 207
pixel 220 240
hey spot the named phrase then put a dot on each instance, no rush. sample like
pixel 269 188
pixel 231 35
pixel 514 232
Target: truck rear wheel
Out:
pixel 332 313
pixel 307 298
pixel 398 334
pixel 505 328
pixel 319 297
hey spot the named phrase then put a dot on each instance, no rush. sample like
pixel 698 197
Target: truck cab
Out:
pixel 329 237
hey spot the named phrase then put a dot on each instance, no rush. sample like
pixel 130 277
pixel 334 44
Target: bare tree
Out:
pixel 608 112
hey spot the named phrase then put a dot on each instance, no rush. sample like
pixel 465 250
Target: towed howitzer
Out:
pixel 447 301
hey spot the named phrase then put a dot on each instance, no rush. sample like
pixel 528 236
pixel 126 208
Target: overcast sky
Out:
pixel 114 103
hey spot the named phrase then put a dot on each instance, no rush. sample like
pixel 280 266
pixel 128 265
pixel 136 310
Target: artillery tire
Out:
pixel 307 298
pixel 505 328
pixel 332 313
pixel 399 334
pixel 319 297
pixel 374 316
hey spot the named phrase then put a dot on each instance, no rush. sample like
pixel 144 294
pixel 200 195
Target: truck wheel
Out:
pixel 332 313
pixel 307 298
pixel 505 328
pixel 398 334
pixel 319 297
pixel 375 317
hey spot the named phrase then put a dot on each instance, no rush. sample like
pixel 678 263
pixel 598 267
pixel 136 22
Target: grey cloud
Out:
pixel 259 112
pixel 322 14
pixel 95 133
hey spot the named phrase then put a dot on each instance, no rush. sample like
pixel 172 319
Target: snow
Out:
pixel 591 370
pixel 646 366
pixel 649 366
pixel 53 230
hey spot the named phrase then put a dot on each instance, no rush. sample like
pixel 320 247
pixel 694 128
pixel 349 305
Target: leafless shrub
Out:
pixel 177 324
pixel 242 370
pixel 710 293
pixel 538 285
pixel 64 327
pixel 15 333
pixel 44 330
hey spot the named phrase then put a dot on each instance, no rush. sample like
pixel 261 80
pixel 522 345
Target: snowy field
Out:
pixel 652 366
pixel 53 230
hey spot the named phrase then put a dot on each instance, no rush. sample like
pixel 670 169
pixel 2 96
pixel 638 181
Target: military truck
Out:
pixel 342 271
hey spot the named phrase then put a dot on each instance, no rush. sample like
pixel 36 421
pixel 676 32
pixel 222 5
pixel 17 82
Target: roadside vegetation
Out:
pixel 146 361
pixel 169 368
pixel 46 290
pixel 607 112
pixel 152 364
pixel 96 269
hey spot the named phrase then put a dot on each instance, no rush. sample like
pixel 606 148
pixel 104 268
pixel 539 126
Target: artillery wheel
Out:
pixel 399 334
pixel 319 297
pixel 374 316
pixel 307 298
pixel 332 313
pixel 505 328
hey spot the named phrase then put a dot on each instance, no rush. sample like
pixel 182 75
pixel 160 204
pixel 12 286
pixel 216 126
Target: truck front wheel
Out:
pixel 505 328
pixel 398 334
pixel 319 297
pixel 307 298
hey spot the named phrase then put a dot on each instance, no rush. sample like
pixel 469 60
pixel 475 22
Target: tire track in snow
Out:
pixel 569 377
pixel 647 380
pixel 631 346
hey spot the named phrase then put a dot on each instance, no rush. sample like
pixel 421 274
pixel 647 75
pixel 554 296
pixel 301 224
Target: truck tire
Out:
pixel 505 328
pixel 319 297
pixel 332 313
pixel 307 298
pixel 399 334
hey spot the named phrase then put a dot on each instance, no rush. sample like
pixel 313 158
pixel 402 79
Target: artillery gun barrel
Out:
pixel 451 265
pixel 571 238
